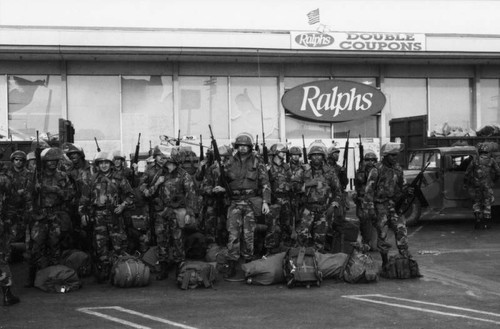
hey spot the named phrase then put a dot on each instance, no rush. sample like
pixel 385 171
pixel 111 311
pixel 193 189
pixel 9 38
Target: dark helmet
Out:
pixel 370 155
pixel 175 156
pixel 277 148
pixel 18 154
pixel 103 156
pixel 225 150
pixel 295 150
pixel 69 148
pixel 317 149
pixel 51 153
pixel 244 139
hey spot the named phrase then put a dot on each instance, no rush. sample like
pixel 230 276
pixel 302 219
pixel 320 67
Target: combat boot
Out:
pixel 30 282
pixel 385 260
pixel 477 221
pixel 231 269
pixel 163 274
pixel 8 298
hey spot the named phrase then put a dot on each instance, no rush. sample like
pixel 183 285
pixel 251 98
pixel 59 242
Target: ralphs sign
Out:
pixel 314 40
pixel 333 100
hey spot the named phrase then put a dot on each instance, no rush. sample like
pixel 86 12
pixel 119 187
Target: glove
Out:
pixel 335 204
pixel 120 208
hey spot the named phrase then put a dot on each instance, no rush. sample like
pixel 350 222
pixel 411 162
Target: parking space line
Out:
pixel 373 299
pixel 95 311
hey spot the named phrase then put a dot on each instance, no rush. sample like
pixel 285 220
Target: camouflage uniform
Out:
pixel 384 187
pixel 175 199
pixel 481 174
pixel 105 193
pixel 51 219
pixel 279 219
pixel 248 179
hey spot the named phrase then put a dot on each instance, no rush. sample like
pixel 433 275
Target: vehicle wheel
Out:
pixel 412 215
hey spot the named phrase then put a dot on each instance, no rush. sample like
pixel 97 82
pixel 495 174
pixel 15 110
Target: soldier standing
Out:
pixel 322 191
pixel 250 194
pixel 120 165
pixel 384 187
pixel 481 174
pixel 295 163
pixel 175 194
pixel 360 180
pixel 102 203
pixel 50 221
pixel 278 220
pixel 6 236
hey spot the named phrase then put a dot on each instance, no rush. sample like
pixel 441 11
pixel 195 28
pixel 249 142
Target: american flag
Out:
pixel 313 16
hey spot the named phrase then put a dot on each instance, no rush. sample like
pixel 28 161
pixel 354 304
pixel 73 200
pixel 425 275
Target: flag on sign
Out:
pixel 313 16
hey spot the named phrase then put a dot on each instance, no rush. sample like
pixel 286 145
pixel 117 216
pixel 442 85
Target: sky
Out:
pixel 413 16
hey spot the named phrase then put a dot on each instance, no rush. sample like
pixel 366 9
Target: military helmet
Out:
pixel 225 150
pixel 41 144
pixel 174 156
pixel 30 156
pixel 51 153
pixel 69 148
pixel 117 154
pixel 295 150
pixel 244 139
pixel 317 149
pixel 392 148
pixel 370 155
pixel 277 148
pixel 103 156
pixel 18 154
pixel 333 149
pixel 161 150
pixel 483 148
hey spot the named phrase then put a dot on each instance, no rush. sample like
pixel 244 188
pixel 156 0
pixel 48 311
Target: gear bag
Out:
pixel 265 271
pixel 57 278
pixel 79 261
pixel 129 271
pixel 193 274
pixel 300 267
pixel 360 268
pixel 400 267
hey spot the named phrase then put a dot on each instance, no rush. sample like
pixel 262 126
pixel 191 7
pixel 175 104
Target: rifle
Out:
pixel 38 172
pixel 361 152
pixel 150 152
pixel 202 156
pixel 405 202
pixel 136 158
pixel 178 142
pixel 344 180
pixel 304 150
pixel 287 152
pixel 257 148
pixel 222 178
pixel 96 144
pixel 264 149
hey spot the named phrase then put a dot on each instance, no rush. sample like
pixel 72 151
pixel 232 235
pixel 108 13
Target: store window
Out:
pixel 147 108
pixel 450 107
pixel 203 101
pixel 4 125
pixel 94 110
pixel 34 104
pixel 489 103
pixel 254 104
pixel 405 98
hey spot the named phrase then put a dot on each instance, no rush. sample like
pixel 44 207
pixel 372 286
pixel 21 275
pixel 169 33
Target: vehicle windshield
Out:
pixel 419 159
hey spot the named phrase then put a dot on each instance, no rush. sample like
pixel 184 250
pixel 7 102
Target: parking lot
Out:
pixel 460 288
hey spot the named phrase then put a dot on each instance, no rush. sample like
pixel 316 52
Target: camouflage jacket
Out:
pixel 321 185
pixel 177 191
pixel 280 177
pixel 482 171
pixel 360 179
pixel 384 183
pixel 4 189
pixel 339 171
pixel 19 196
pixel 56 189
pixel 106 191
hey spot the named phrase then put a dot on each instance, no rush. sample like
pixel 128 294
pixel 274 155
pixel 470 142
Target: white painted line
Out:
pixel 366 298
pixel 416 231
pixel 90 310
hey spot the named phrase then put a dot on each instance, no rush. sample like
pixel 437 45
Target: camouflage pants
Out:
pixel 5 239
pixel 138 227
pixel 279 227
pixel 241 227
pixel 45 239
pixel 483 199
pixel 365 223
pixel 388 218
pixel 313 226
pixel 17 225
pixel 109 236
pixel 169 236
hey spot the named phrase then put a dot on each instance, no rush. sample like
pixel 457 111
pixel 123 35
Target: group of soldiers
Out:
pixel 56 200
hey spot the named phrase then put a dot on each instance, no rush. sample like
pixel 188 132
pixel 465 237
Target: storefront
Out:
pixel 113 83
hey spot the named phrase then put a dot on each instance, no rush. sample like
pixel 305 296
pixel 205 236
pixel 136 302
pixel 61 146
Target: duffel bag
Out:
pixel 193 274
pixel 300 267
pixel 400 267
pixel 129 271
pixel 78 260
pixel 265 271
pixel 57 278
pixel 361 268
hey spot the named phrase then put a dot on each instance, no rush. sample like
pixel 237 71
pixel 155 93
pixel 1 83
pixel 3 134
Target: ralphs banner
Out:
pixel 359 41
pixel 333 101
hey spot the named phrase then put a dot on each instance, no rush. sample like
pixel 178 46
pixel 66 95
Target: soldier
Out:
pixel 50 221
pixel 215 203
pixel 6 237
pixel 480 175
pixel 278 221
pixel 295 155
pixel 18 205
pixel 250 194
pixel 102 202
pixel 175 193
pixel 332 159
pixel 360 180
pixel 321 188
pixel 384 187
pixel 31 161
pixel 120 165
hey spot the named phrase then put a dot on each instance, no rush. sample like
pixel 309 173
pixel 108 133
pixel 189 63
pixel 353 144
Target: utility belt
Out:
pixel 317 206
pixel 243 194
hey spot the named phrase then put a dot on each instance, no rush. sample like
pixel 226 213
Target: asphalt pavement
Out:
pixel 460 288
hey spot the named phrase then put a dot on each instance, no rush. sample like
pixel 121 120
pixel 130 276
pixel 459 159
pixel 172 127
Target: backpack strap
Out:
pixel 300 257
